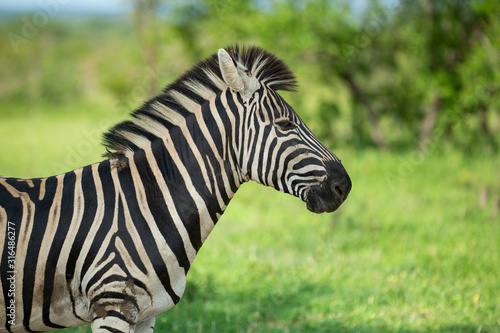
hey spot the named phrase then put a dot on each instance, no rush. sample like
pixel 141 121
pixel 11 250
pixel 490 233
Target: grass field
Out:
pixel 415 248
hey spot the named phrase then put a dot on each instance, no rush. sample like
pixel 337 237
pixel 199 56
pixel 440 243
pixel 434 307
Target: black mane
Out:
pixel 184 95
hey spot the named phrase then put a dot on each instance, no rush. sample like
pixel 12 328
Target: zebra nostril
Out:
pixel 341 188
pixel 339 183
pixel 338 191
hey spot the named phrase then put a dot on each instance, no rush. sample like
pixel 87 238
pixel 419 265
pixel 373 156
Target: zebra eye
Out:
pixel 285 124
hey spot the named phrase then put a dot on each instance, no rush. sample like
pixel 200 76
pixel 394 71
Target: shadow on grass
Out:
pixel 293 306
pixel 209 321
pixel 250 311
pixel 217 321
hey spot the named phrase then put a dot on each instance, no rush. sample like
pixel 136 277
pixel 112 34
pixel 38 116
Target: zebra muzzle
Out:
pixel 328 196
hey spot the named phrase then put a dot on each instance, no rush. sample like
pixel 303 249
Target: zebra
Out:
pixel 111 243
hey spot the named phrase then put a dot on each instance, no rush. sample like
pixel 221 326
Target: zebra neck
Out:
pixel 190 184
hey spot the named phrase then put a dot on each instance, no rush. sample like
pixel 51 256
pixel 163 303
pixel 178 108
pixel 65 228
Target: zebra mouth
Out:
pixel 320 201
pixel 327 197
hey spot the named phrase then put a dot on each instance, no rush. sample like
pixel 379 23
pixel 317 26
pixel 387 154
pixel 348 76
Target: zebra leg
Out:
pixel 113 315
pixel 111 324
pixel 146 326
pixel 114 324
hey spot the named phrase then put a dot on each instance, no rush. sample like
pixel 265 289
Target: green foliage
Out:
pixel 390 76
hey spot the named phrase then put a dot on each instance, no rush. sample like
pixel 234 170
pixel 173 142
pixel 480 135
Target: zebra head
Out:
pixel 276 148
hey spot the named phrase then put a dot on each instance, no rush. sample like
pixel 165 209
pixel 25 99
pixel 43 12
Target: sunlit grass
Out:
pixel 53 139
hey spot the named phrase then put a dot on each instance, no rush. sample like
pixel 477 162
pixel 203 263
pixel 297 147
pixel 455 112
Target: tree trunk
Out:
pixel 429 122
pixel 485 128
pixel 375 131
pixel 147 35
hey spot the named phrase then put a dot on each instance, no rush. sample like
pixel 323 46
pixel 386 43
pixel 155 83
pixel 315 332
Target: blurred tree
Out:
pixel 147 31
pixel 449 31
pixel 480 76
pixel 402 63
pixel 393 74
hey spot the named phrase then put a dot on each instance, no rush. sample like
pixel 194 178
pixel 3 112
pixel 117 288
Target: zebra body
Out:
pixel 111 243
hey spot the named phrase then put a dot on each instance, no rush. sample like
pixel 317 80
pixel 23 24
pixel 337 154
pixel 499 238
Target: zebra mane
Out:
pixel 185 95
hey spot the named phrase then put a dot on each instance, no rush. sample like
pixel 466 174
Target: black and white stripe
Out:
pixel 111 243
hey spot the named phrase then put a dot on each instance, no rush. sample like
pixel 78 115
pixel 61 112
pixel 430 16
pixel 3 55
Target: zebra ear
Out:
pixel 230 72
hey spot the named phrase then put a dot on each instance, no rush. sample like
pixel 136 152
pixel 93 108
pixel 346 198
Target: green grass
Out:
pixel 413 249
pixel 50 140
